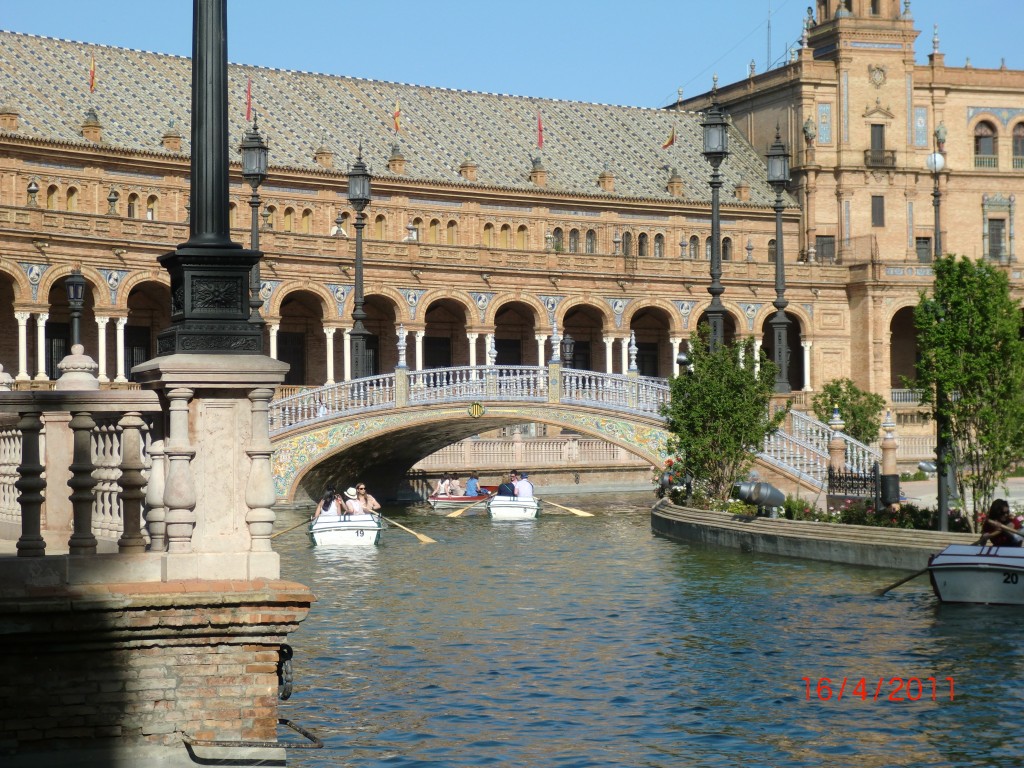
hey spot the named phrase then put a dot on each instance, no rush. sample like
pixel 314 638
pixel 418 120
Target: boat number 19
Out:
pixel 1009 578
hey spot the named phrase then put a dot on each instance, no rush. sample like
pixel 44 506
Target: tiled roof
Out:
pixel 138 95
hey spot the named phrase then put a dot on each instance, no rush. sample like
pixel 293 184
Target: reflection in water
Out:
pixel 571 641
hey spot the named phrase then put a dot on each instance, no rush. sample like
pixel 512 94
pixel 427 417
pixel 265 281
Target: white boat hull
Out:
pixel 445 504
pixel 974 574
pixel 508 508
pixel 346 530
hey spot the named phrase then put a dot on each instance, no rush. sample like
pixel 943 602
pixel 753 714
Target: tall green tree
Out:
pixel 861 411
pixel 971 371
pixel 719 416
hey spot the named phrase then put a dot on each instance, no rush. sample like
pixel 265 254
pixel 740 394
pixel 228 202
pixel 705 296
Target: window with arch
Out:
pixel 506 236
pixel 574 241
pixel 71 201
pixel 707 249
pixel 488 235
pixel 452 233
pixel 591 241
pixel 985 145
pixel 270 216
pixel 1018 146
pixel 51 197
pixel 771 250
pixel 694 247
pixel 380 227
pixel 434 231
pixel 306 222
pixel 558 239
pixel 522 237
pixel 133 206
pixel 152 208
pixel 659 246
pixel 627 243
pixel 417 226
pixel 726 249
pixel 641 244
pixel 289 220
pixel 346 220
pixel 232 213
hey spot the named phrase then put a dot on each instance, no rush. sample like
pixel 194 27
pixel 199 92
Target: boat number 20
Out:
pixel 1009 578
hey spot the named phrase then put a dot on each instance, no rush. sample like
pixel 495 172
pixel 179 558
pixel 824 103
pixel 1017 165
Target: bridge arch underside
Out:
pixel 379 449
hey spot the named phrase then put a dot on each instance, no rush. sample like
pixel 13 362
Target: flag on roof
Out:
pixel 248 100
pixel 670 140
pixel 92 74
pixel 540 131
pixel 397 116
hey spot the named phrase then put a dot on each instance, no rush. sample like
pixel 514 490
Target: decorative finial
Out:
pixel 401 345
pixel 935 38
pixel 632 351
pixel 679 95
pixel 906 8
pixel 753 68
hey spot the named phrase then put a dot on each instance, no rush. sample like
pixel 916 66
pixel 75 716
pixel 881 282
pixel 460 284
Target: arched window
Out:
pixel 306 223
pixel 289 219
pixel 506 236
pixel 985 145
pixel 152 208
pixel 434 232
pixel 522 237
pixel 51 197
pixel 641 244
pixel 627 243
pixel 694 247
pixel 558 240
pixel 270 214
pixel 574 241
pixel 488 235
pixel 707 249
pixel 591 241
pixel 417 225
pixel 659 246
pixel 726 249
pixel 1018 146
pixel 71 202
pixel 771 250
pixel 380 227
pixel 452 232
pixel 133 206
pixel 232 213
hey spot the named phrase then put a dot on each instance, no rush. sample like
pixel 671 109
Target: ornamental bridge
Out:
pixel 377 428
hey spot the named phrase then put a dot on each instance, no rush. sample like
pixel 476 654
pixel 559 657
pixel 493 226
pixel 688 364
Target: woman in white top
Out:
pixel 442 486
pixel 352 505
pixel 326 505
pixel 366 501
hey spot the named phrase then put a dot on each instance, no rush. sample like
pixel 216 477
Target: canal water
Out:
pixel 571 641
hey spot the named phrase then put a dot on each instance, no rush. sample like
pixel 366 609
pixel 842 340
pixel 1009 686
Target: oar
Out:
pixel 458 512
pixel 304 522
pixel 575 511
pixel 420 536
pixel 904 580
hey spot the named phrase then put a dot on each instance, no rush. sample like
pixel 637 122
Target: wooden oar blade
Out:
pixel 573 510
pixel 904 580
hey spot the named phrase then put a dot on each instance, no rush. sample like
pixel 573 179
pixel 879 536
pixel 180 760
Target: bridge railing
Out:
pixel 800 457
pixel 635 393
pixel 481 382
pixel 369 394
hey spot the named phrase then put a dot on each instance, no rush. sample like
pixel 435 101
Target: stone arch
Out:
pixel 135 279
pixel 540 320
pixel 453 294
pixel 329 307
pixel 96 284
pixel 607 317
pixel 403 314
pixel 676 317
pixel 20 284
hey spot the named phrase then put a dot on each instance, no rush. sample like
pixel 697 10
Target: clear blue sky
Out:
pixel 635 53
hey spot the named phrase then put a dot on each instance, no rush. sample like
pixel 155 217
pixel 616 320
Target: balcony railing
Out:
pixel 986 161
pixel 880 158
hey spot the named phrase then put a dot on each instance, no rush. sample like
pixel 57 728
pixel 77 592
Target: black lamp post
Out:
pixel 568 344
pixel 935 163
pixel 778 177
pixel 75 286
pixel 254 171
pixel 716 148
pixel 359 196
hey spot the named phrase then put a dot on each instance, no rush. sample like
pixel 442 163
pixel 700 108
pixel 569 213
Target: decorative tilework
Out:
pixel 618 305
pixel 1004 114
pixel 34 273
pixel 340 293
pixel 550 304
pixel 482 300
pixel 824 123
pixel 685 308
pixel 113 278
pixel 750 312
pixel 412 298
pixel 921 126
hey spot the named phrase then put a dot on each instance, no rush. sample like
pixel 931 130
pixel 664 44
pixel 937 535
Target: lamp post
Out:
pixel 778 177
pixel 75 286
pixel 716 148
pixel 254 171
pixel 568 344
pixel 935 162
pixel 359 197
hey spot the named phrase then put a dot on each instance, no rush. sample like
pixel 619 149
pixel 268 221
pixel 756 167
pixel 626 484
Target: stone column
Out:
pixel 156 512
pixel 41 318
pixel 472 337
pixel 889 446
pixel 31 484
pixel 347 372
pixel 757 354
pixel 419 350
pixel 22 318
pixel 807 364
pixel 101 352
pixel 837 446
pixel 609 364
pixel 132 482
pixel 82 541
pixel 259 491
pixel 329 333
pixel 274 328
pixel 179 486
pixel 121 323
pixel 674 342
pixel 541 339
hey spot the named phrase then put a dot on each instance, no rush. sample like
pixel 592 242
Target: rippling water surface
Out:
pixel 571 641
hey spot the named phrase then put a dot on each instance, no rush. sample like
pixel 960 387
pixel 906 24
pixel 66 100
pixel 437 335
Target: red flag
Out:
pixel 92 74
pixel 540 131
pixel 248 101
pixel 671 139
pixel 397 117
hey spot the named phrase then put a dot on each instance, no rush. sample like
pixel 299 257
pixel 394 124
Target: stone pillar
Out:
pixel 156 512
pixel 179 486
pixel 31 484
pixel 889 446
pixel 757 354
pixel 807 364
pixel 609 365
pixel 541 339
pixel 121 323
pixel 329 333
pixel 41 318
pixel 837 446
pixel 259 491
pixel 419 349
pixel 674 342
pixel 101 350
pixel 623 355
pixel 132 483
pixel 82 541
pixel 274 328
pixel 347 372
pixel 22 318
pixel 472 337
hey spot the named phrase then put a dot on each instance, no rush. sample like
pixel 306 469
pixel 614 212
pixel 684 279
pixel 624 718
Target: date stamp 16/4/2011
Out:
pixel 885 689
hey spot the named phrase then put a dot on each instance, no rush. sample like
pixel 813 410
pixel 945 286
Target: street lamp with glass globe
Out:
pixel 255 153
pixel 935 162
pixel 359 196
pixel 778 177
pixel 716 149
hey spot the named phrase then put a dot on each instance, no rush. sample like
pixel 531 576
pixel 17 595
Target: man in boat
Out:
pixel 524 488
pixel 998 530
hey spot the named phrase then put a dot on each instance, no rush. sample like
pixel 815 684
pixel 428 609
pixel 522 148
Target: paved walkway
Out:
pixel 925 492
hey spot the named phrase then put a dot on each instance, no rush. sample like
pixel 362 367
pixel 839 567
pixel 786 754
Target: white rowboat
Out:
pixel 975 574
pixel 350 530
pixel 511 508
pixel 444 504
